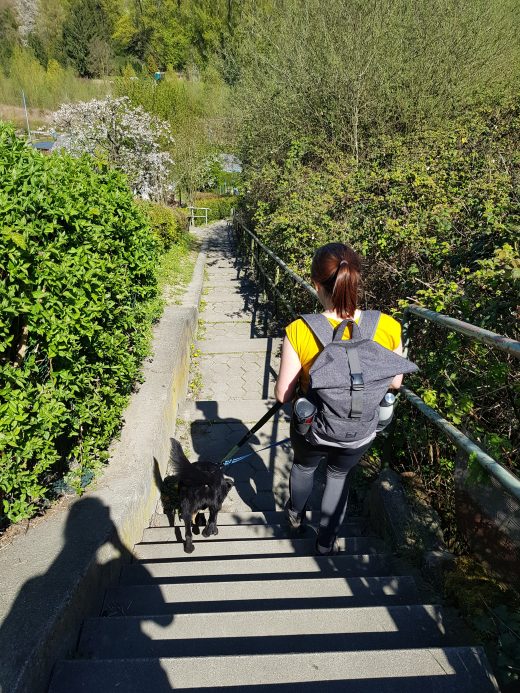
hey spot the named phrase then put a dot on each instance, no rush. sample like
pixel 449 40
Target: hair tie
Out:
pixel 343 262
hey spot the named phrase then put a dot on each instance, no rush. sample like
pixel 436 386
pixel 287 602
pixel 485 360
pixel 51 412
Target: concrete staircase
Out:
pixel 253 609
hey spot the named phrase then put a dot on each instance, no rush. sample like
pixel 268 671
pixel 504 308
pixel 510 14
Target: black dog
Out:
pixel 201 485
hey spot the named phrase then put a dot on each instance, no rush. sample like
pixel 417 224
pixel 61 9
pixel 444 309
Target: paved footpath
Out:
pixel 253 609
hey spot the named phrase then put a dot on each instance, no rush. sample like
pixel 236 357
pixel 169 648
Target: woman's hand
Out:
pixel 289 373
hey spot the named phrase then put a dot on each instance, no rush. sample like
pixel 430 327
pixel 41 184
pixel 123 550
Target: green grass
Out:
pixel 176 268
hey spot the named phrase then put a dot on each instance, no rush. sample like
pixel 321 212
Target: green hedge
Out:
pixel 77 294
pixel 436 216
pixel 169 224
pixel 219 207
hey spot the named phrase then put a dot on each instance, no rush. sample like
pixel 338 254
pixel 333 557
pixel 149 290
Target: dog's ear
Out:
pixel 229 480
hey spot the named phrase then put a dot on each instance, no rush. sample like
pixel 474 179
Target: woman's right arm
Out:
pixel 289 373
pixel 398 379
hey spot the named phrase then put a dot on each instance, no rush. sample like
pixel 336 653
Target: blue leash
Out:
pixel 233 460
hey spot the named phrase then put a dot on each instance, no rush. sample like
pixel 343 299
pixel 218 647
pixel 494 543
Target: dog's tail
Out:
pixel 190 474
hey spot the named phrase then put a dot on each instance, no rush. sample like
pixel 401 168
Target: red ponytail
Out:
pixel 337 268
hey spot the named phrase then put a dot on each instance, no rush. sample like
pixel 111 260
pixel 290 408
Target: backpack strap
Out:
pixel 368 323
pixel 354 363
pixel 320 327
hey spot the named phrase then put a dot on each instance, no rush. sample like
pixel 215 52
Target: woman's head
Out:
pixel 336 268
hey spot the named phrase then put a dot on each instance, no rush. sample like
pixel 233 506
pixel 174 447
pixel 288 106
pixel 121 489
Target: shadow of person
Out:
pixel 43 624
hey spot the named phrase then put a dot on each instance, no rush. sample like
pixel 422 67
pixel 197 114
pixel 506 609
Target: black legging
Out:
pixel 335 495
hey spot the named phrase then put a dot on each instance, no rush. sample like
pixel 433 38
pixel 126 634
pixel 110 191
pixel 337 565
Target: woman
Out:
pixel 335 274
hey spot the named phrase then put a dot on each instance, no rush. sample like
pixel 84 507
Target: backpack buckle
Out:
pixel 357 381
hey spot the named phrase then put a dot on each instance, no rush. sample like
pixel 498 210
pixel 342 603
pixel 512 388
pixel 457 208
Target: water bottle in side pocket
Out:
pixel 386 411
pixel 303 414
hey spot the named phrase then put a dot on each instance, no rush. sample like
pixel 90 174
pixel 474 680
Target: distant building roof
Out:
pixel 45 146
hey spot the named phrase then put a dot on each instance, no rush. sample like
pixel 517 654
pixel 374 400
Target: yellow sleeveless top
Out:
pixel 305 344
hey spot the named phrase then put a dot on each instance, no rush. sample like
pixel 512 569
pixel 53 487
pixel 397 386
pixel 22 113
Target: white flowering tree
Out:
pixel 129 138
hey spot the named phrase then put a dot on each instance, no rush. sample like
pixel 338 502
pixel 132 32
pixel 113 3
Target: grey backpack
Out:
pixel 349 378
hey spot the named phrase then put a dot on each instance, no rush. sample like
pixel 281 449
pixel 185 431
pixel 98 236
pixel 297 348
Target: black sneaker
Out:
pixel 294 519
pixel 327 551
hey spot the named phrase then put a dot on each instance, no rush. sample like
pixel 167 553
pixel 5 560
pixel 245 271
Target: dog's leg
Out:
pixel 211 527
pixel 188 542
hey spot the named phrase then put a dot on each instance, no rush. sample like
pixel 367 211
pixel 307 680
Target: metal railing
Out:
pixel 252 244
pixel 497 341
pixel 194 216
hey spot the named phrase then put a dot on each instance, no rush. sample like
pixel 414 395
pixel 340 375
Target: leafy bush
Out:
pixel 219 207
pixel 436 217
pixel 492 609
pixel 168 224
pixel 77 294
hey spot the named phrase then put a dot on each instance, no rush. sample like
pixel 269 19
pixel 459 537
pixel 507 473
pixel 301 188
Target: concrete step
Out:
pixel 247 329
pixel 221 274
pixel 259 595
pixel 243 284
pixel 239 345
pixel 231 317
pixel 262 632
pixel 245 548
pixel 247 411
pixel 196 569
pixel 432 670
pixel 259 518
pixel 241 533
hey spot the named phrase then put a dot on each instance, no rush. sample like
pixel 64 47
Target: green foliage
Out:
pixel 493 611
pixel 77 294
pixel 8 36
pixel 194 110
pixel 436 217
pixel 45 87
pixel 86 38
pixel 337 73
pixel 219 207
pixel 176 267
pixel 169 224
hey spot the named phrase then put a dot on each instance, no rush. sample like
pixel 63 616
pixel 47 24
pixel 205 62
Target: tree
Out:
pixel 335 73
pixel 128 138
pixel 8 36
pixel 86 24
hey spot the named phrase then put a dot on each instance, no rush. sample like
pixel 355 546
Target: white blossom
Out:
pixel 127 137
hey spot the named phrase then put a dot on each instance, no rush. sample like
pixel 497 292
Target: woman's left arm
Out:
pixel 290 368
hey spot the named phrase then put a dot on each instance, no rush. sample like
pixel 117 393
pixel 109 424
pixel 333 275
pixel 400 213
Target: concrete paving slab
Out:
pixel 263 632
pixel 429 670
pixel 239 345
pixel 246 329
pixel 201 570
pixel 231 318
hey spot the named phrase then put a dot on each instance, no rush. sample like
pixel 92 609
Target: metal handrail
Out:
pixel 278 260
pixel 497 341
pixel 194 216
pixel 504 476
